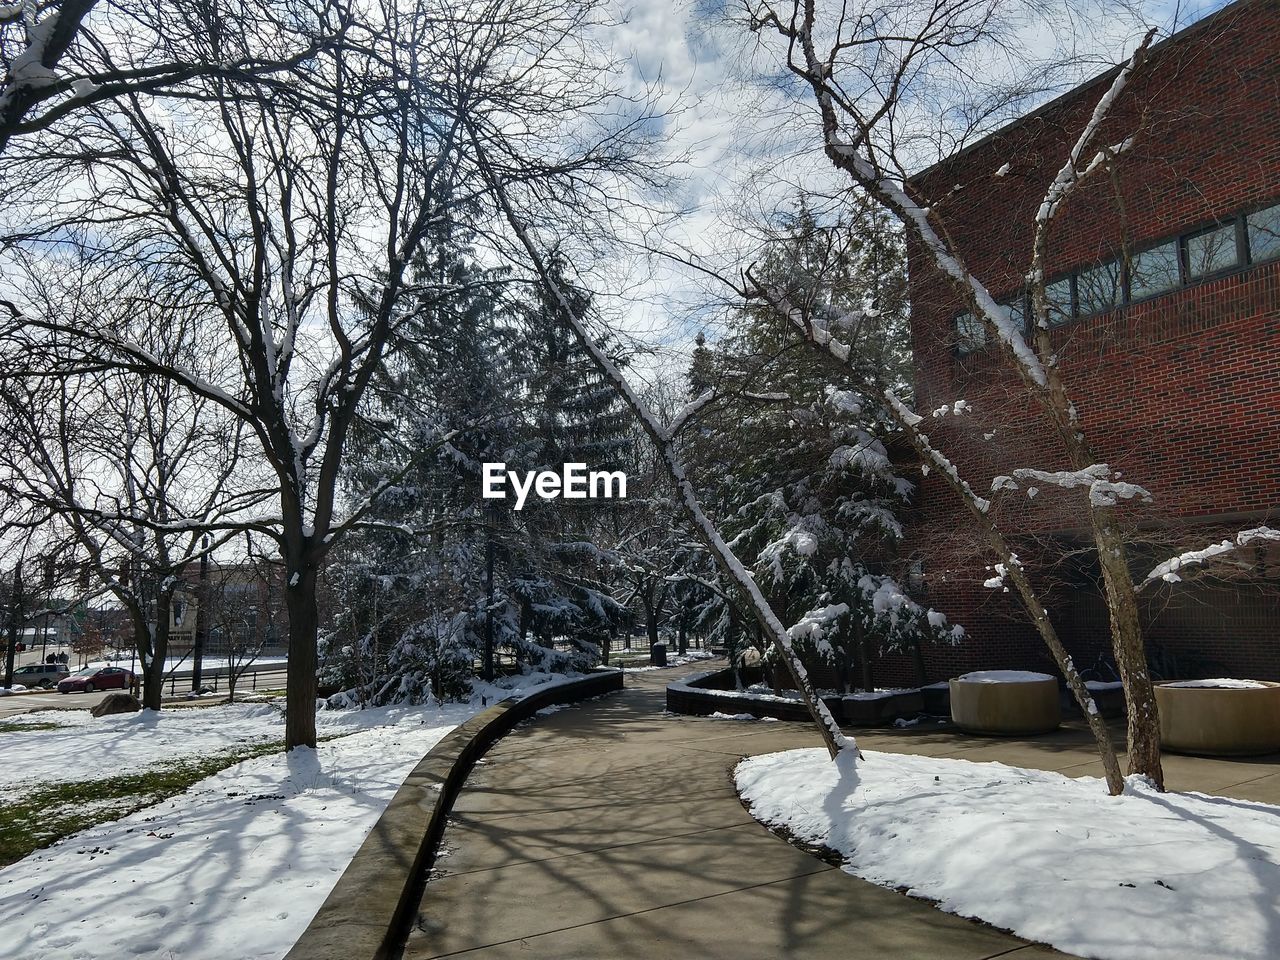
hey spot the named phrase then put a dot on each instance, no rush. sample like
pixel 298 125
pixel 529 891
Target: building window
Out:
pixel 1264 234
pixel 1154 271
pixel 1211 251
pixel 971 334
pixel 1058 295
pixel 1098 288
pixel 1017 308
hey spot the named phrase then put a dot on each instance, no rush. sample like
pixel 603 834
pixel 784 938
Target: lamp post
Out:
pixel 202 618
pixel 488 613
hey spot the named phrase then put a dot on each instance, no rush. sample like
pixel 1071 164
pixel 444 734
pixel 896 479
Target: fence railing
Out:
pixel 219 679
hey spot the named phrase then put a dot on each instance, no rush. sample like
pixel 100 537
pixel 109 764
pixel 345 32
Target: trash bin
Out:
pixel 658 655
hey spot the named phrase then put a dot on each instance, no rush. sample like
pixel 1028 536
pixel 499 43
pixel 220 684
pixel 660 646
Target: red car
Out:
pixel 97 678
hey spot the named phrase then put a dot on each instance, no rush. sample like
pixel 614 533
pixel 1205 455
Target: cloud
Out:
pixel 743 139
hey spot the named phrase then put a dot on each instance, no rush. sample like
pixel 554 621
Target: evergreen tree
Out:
pixel 796 467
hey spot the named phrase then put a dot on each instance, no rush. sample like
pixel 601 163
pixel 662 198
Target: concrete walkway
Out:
pixel 611 831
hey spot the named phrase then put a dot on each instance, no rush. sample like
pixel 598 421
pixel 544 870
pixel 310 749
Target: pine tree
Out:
pixel 797 468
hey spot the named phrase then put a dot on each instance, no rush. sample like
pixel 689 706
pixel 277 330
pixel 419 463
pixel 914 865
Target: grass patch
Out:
pixel 49 813
pixel 9 726
pixel 53 811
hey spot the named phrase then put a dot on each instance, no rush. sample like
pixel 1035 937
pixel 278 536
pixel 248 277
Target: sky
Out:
pixel 745 140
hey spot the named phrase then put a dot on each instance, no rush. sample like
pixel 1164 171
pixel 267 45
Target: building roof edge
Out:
pixel 1062 99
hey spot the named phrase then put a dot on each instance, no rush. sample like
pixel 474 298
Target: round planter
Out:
pixel 1220 721
pixel 1005 703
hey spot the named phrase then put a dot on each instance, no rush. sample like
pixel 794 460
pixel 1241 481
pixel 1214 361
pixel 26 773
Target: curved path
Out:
pixel 609 830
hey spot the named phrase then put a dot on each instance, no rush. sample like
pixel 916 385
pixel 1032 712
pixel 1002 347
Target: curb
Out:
pixel 368 914
pixel 702 694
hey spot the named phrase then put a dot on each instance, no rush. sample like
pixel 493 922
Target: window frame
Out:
pixel 1180 241
pixel 958 347
pixel 1244 226
pixel 1184 250
pixel 1121 298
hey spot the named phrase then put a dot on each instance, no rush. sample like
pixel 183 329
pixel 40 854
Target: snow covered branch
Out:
pixel 1171 570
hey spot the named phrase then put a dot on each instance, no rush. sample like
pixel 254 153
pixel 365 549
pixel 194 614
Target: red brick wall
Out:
pixel 1181 393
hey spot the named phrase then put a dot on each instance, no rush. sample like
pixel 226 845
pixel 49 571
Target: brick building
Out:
pixel 245 611
pixel 1165 278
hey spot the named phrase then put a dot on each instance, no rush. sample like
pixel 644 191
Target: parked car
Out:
pixel 97 678
pixel 40 674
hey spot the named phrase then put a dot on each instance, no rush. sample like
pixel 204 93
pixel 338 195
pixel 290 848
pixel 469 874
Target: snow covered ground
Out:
pixel 206 663
pixel 1136 877
pixel 235 867
pixel 693 656
pixel 87 748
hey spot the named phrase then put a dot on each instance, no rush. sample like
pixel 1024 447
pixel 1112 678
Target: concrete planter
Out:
pixel 1220 721
pixel 1005 703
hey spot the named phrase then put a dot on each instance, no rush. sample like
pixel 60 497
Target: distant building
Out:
pixel 1166 289
pixel 244 606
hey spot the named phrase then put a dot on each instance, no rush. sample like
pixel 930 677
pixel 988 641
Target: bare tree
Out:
pixel 121 473
pixel 59 56
pixel 862 73
pixel 244 609
pixel 292 214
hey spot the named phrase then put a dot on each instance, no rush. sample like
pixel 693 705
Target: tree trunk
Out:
pixel 651 624
pixel 682 637
pixel 300 680
pixel 153 682
pixel 1026 593
pixel 864 655
pixel 152 648
pixel 731 646
pixel 1130 651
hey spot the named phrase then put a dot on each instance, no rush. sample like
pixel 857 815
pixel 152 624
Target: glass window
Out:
pixel 971 334
pixel 1154 271
pixel 1211 251
pixel 1017 308
pixel 1058 294
pixel 1264 234
pixel 1098 288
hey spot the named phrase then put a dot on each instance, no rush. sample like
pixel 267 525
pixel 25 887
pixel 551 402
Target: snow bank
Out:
pixel 1143 876
pixel 1219 684
pixel 235 867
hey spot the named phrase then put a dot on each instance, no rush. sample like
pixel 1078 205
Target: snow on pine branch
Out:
pixel 1168 571
pixel 843 401
pixel 890 603
pixel 817 623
